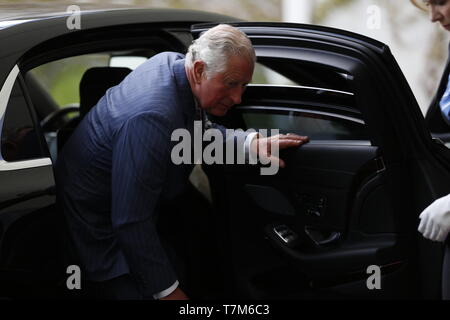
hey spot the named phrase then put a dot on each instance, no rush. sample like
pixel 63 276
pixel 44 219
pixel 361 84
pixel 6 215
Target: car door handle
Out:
pixel 339 260
pixel 321 238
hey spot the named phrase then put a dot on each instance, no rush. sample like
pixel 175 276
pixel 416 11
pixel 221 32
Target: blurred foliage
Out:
pixel 62 77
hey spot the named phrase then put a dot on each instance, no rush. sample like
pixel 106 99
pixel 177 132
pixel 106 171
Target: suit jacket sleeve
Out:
pixel 140 161
pixel 241 140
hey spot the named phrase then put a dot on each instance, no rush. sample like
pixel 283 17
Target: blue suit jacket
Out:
pixel 116 166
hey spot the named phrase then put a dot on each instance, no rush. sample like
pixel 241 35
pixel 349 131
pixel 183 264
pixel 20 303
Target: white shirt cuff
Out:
pixel 166 292
pixel 248 142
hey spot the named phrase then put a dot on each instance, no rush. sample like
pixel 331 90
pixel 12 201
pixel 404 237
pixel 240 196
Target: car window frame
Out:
pixel 5 94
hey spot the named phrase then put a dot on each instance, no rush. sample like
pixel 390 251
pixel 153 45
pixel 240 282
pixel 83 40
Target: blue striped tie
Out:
pixel 445 104
pixel 200 115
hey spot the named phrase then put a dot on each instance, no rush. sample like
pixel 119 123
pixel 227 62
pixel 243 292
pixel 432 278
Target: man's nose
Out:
pixel 236 95
pixel 435 15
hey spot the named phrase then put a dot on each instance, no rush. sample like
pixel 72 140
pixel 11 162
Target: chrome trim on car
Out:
pixel 298 87
pixel 26 164
pixel 341 142
pixel 5 92
pixel 334 115
pixel 10 23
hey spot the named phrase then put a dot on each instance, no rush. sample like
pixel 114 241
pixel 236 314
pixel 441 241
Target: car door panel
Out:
pixel 352 204
pixel 326 199
pixel 333 195
pixel 28 220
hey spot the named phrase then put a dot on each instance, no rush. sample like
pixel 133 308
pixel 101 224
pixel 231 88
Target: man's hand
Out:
pixel 435 220
pixel 263 146
pixel 177 294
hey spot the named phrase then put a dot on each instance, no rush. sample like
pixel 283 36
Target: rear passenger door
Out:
pixel 347 202
pixel 28 225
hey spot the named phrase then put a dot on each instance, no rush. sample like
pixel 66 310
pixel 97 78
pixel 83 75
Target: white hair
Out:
pixel 217 45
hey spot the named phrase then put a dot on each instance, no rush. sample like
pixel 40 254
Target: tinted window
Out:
pixel 19 138
pixel 265 75
pixel 314 125
pixel 61 78
pixel 296 72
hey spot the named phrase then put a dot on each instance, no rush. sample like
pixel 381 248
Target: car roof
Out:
pixel 156 14
pixel 36 15
pixel 26 31
pixel 23 33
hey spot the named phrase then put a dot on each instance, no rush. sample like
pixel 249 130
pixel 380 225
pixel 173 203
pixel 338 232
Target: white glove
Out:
pixel 435 220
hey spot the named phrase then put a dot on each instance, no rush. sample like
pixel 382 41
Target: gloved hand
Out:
pixel 435 220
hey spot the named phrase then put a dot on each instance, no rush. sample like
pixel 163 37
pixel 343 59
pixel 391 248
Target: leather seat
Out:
pixel 93 86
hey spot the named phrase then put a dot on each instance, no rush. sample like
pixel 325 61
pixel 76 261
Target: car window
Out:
pixel 323 86
pixel 61 78
pixel 265 75
pixel 131 62
pixel 277 71
pixel 317 126
pixel 19 139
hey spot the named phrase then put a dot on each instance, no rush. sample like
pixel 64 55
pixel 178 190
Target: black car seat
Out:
pixel 93 86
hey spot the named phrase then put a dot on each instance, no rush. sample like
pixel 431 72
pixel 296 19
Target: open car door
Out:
pixel 346 206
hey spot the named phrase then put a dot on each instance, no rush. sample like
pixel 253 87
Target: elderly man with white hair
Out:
pixel 116 167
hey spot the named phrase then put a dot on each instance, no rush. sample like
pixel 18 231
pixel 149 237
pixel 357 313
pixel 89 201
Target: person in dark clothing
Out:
pixel 435 219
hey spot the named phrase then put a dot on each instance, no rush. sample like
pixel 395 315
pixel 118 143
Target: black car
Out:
pixel 346 201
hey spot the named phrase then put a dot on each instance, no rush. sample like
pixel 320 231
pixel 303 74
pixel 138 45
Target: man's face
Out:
pixel 223 90
pixel 439 12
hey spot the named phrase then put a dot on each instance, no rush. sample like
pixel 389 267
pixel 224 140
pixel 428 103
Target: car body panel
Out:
pixel 23 36
pixel 353 203
pixel 32 260
pixel 370 214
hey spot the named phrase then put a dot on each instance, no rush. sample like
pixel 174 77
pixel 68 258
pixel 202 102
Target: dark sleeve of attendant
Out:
pixel 141 157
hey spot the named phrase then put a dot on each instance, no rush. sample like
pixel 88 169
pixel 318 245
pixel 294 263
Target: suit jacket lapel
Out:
pixel 433 118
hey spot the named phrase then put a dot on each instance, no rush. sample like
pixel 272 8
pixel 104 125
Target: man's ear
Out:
pixel 199 70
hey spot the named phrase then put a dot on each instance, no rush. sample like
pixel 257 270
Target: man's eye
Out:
pixel 436 2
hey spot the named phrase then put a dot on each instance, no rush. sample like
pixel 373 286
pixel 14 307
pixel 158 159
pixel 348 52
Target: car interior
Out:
pixel 194 259
pixel 308 232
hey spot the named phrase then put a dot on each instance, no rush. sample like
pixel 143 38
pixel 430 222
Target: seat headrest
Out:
pixel 95 82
